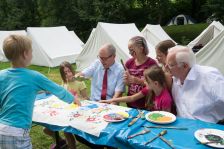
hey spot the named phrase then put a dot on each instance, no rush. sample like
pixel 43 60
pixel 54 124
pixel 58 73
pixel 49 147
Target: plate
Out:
pixel 207 135
pixel 116 116
pixel 160 117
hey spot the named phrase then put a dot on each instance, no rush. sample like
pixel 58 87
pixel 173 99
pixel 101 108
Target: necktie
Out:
pixel 104 86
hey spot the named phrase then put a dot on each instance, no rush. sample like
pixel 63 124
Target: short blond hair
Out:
pixel 15 45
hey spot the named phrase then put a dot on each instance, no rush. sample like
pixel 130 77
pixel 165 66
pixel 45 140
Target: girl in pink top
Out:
pixel 156 92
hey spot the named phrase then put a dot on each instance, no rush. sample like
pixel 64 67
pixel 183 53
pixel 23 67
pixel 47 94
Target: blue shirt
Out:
pixel 114 79
pixel 18 89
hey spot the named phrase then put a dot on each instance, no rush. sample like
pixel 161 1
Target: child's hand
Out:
pixel 79 74
pixel 76 101
pixel 105 101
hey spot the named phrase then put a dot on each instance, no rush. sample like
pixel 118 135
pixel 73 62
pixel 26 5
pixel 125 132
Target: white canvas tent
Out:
pixel 154 34
pixel 53 45
pixel 3 35
pixel 207 35
pixel 212 53
pixel 77 38
pixel 116 34
pixel 91 34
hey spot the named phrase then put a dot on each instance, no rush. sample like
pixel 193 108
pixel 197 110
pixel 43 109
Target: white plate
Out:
pixel 116 116
pixel 160 117
pixel 200 135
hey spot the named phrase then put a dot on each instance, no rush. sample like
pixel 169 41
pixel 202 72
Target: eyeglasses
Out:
pixel 104 58
pixel 171 66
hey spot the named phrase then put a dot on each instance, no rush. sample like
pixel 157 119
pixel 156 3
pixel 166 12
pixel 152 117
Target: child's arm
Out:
pixel 132 98
pixel 84 94
pixel 44 83
pixel 117 95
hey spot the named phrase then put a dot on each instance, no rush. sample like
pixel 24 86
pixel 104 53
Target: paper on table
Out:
pixel 87 118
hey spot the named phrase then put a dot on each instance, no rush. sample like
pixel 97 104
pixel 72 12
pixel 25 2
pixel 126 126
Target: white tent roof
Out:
pixel 208 34
pixel 154 34
pixel 3 35
pixel 77 38
pixel 53 45
pixel 212 53
pixel 116 34
pixel 91 34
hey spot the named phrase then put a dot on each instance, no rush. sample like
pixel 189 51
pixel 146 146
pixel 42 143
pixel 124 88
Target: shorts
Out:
pixel 15 142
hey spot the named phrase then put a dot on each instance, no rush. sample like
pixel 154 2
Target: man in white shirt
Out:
pixel 196 90
pixel 115 71
pixel 96 71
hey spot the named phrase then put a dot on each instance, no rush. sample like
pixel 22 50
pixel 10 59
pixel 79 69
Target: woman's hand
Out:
pixel 128 79
pixel 125 77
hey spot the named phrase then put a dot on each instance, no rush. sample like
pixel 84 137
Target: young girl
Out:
pixel 78 89
pixel 158 96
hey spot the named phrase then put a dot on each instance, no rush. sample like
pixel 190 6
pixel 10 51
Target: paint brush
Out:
pixel 139 133
pixel 160 134
pixel 166 141
pixel 167 127
pixel 134 120
pixel 123 65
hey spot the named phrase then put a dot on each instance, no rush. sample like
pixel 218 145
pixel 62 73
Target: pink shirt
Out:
pixel 162 101
pixel 137 71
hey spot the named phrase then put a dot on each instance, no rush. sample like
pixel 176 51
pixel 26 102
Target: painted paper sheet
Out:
pixel 87 118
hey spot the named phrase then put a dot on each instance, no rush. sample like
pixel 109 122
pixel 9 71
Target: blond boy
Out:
pixel 18 89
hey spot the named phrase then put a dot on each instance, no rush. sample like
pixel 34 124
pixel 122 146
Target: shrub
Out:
pixel 183 34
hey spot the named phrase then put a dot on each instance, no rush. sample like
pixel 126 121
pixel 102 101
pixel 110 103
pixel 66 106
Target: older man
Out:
pixel 106 74
pixel 197 90
pixel 107 80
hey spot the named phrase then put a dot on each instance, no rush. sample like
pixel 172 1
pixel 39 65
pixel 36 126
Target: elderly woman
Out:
pixel 136 65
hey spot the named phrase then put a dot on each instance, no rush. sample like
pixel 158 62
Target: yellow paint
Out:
pixel 72 106
pixel 164 119
pixel 124 114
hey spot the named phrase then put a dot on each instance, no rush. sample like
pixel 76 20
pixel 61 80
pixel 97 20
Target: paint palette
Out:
pixel 160 117
pixel 210 137
pixel 116 117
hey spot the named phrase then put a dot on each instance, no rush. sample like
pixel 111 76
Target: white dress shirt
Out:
pixel 115 79
pixel 201 96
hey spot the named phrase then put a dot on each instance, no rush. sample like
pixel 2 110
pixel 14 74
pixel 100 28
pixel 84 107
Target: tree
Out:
pixel 16 15
pixel 214 9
